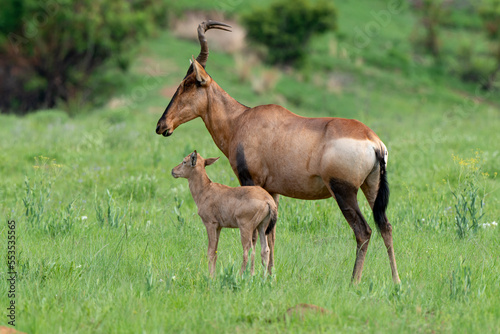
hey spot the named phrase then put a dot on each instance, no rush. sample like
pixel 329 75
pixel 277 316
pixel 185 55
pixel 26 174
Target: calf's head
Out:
pixel 191 164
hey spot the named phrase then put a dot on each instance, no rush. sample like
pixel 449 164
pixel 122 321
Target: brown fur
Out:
pixel 288 154
pixel 250 209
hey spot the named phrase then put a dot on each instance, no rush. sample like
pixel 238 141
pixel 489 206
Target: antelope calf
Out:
pixel 248 208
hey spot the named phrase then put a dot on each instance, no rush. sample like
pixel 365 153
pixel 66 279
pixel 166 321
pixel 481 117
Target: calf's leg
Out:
pixel 246 242
pixel 264 247
pixel 254 242
pixel 213 232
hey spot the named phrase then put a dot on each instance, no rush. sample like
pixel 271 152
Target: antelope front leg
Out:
pixel 213 232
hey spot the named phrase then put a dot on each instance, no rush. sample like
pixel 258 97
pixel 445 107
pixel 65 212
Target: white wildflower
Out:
pixel 161 280
pixel 494 223
pixel 84 217
pixel 173 278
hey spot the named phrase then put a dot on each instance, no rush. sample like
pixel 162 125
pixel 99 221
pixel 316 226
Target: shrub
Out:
pixel 432 13
pixel 469 197
pixel 490 14
pixel 470 64
pixel 41 213
pixel 60 50
pixel 110 214
pixel 285 27
pixel 460 282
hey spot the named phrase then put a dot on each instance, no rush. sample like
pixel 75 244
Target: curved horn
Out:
pixel 202 28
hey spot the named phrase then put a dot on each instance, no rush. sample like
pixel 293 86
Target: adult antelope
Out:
pixel 289 155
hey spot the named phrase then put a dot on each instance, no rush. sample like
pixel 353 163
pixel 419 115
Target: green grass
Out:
pixel 137 263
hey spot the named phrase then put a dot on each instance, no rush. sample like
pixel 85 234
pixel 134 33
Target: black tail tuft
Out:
pixel 273 211
pixel 382 199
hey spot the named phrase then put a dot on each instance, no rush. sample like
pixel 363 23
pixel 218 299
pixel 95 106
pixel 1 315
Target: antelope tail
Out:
pixel 382 199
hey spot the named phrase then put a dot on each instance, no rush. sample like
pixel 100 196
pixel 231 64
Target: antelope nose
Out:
pixel 158 128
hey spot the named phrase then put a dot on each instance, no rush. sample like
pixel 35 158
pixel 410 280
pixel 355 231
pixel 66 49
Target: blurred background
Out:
pixel 76 56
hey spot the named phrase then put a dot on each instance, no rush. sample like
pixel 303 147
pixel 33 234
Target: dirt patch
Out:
pixel 336 82
pixel 476 99
pixel 231 42
pixel 301 310
pixel 154 67
pixel 9 330
pixel 117 102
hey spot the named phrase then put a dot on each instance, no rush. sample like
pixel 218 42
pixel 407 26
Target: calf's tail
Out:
pixel 273 212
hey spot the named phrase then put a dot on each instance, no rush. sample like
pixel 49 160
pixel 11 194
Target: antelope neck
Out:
pixel 222 110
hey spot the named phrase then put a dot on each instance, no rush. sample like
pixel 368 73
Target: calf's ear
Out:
pixel 194 157
pixel 210 161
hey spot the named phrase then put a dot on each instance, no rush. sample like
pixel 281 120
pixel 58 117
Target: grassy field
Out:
pixel 107 241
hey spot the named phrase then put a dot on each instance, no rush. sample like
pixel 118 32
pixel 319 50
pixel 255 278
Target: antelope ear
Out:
pixel 194 157
pixel 201 75
pixel 210 161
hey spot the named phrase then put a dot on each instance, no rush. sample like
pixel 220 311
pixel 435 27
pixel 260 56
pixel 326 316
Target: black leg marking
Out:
pixel 345 194
pixel 242 168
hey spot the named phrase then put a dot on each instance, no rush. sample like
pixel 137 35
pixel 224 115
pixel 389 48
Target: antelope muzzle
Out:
pixel 163 129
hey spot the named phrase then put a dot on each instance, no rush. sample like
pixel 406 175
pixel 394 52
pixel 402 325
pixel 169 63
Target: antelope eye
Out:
pixel 183 162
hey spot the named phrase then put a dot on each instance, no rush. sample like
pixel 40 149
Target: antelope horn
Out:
pixel 202 28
